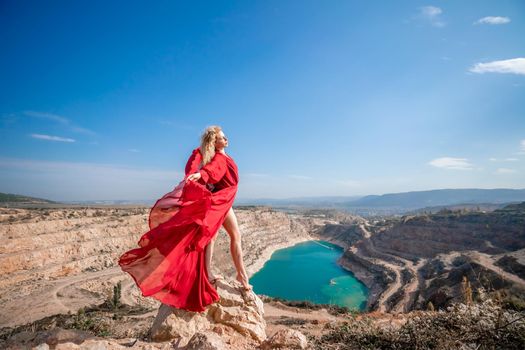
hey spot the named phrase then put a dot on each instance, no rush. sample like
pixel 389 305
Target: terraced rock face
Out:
pixel 58 260
pixel 500 231
pixel 50 244
pixel 342 234
pixel 407 263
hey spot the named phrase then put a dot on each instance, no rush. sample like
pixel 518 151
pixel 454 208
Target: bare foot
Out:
pixel 214 278
pixel 244 282
pixel 246 289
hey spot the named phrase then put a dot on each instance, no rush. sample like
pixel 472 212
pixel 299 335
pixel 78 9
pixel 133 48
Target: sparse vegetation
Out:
pixel 291 321
pixel 467 291
pixel 87 321
pixel 430 306
pixel 116 295
pixel 16 198
pixel 101 320
pixel 476 326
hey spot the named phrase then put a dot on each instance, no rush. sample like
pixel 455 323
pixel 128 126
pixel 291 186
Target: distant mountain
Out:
pixel 314 202
pixel 443 197
pixel 486 207
pixel 386 204
pixel 16 198
pixel 106 202
pixel 401 203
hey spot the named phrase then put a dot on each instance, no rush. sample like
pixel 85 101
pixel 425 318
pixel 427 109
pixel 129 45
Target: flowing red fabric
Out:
pixel 169 264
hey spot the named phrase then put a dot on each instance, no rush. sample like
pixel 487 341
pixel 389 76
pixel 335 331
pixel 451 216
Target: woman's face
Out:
pixel 221 141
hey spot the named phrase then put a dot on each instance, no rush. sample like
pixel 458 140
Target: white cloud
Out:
pixel 504 160
pixel 451 163
pixel 134 150
pixel 513 66
pixel 51 138
pixel 493 20
pixel 432 14
pixel 431 11
pixel 522 148
pixel 61 120
pixel 505 171
pixel 49 116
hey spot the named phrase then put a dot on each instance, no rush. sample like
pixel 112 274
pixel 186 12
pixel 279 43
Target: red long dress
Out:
pixel 169 264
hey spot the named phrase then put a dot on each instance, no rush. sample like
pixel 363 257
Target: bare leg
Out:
pixel 231 226
pixel 209 256
pixel 208 260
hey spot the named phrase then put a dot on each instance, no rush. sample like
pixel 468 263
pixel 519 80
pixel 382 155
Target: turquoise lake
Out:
pixel 308 271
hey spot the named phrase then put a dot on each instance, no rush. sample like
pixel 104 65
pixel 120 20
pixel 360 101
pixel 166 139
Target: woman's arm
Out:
pixel 193 163
pixel 214 170
pixel 211 172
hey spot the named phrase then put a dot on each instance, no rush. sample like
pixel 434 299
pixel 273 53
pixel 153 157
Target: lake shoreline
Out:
pixel 308 276
pixel 266 254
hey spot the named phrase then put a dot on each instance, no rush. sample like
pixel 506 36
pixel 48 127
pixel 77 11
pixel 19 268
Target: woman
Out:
pixel 173 261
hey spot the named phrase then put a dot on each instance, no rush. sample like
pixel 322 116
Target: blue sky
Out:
pixel 106 99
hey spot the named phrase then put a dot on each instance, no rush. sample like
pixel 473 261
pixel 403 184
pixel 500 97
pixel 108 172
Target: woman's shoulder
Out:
pixel 196 153
pixel 223 155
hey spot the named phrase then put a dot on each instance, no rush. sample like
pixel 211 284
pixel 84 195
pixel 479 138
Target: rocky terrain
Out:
pixel 57 261
pixel 410 261
pixel 238 323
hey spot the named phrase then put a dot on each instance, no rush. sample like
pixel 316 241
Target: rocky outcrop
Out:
pixel 286 339
pixel 375 276
pixel 342 234
pixel 206 341
pixel 237 318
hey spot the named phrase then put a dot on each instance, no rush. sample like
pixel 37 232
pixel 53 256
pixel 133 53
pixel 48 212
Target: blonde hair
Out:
pixel 207 147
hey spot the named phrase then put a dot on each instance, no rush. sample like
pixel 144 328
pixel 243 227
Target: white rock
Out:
pixel 234 313
pixel 287 339
pixel 206 341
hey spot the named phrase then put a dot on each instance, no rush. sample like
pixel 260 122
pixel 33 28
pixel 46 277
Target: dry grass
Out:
pixel 483 325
